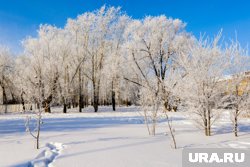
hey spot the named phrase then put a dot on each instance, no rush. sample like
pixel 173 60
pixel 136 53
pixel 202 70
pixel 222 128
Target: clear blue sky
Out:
pixel 21 18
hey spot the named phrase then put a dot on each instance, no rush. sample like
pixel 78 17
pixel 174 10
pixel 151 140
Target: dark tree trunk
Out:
pixel 96 98
pixel 209 123
pixel 96 102
pixel 175 108
pixel 4 96
pixel 22 101
pixel 47 107
pixel 46 104
pixel 80 90
pixel 113 100
pixel 5 100
pixel 235 127
pixel 113 96
pixel 166 106
pixel 64 108
pixel 96 95
pixel 236 115
pixel 13 98
pixel 38 133
pixel 80 103
pixel 236 122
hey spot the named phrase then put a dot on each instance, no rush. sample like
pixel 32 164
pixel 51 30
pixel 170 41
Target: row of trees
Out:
pixel 105 57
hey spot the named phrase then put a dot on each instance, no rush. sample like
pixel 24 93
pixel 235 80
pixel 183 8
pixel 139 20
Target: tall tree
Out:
pixel 153 45
pixel 97 30
pixel 6 71
pixel 237 83
pixel 205 66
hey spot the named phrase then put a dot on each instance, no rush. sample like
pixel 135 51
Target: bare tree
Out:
pixel 153 45
pixel 237 89
pixel 6 72
pixel 202 90
pixel 171 130
pixel 35 133
pixel 99 25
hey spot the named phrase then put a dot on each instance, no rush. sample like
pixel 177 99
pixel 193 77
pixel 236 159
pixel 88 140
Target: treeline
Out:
pixel 105 57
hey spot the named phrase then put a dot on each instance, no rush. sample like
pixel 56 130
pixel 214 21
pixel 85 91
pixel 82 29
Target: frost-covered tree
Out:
pixel 114 60
pixel 78 31
pixel 237 83
pixel 36 130
pixel 205 67
pixel 98 30
pixel 6 76
pixel 43 65
pixel 153 45
pixel 63 46
pixel 40 73
pixel 22 84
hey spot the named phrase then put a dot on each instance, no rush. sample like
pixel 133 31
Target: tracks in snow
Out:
pixel 236 145
pixel 47 156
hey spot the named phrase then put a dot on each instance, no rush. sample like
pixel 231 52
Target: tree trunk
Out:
pixel 47 107
pixel 209 122
pixel 236 122
pixel 235 127
pixel 113 100
pixel 95 98
pixel 236 115
pixel 166 105
pixel 153 127
pixel 154 121
pixel 5 100
pixel 171 130
pixel 146 121
pixel 96 101
pixel 4 95
pixel 66 89
pixel 80 103
pixel 96 89
pixel 38 136
pixel 22 101
pixel 206 130
pixel 205 122
pixel 64 108
pixel 64 105
pixel 113 96
pixel 80 90
pixel 38 129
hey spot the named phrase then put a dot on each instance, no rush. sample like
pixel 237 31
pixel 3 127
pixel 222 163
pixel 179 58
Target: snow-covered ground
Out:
pixel 108 139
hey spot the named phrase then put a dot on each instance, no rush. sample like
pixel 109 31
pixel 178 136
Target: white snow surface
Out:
pixel 109 139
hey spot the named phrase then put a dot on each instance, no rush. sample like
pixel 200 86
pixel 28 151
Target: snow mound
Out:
pixel 47 156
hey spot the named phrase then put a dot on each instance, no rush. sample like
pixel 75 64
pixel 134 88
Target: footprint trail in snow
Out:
pixel 47 156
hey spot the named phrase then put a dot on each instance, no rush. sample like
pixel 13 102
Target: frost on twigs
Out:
pixel 201 89
pixel 237 87
pixel 33 127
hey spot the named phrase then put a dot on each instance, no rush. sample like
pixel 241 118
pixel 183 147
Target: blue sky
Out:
pixel 21 18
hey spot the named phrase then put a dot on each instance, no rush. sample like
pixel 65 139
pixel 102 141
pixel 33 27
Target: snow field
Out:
pixel 108 138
